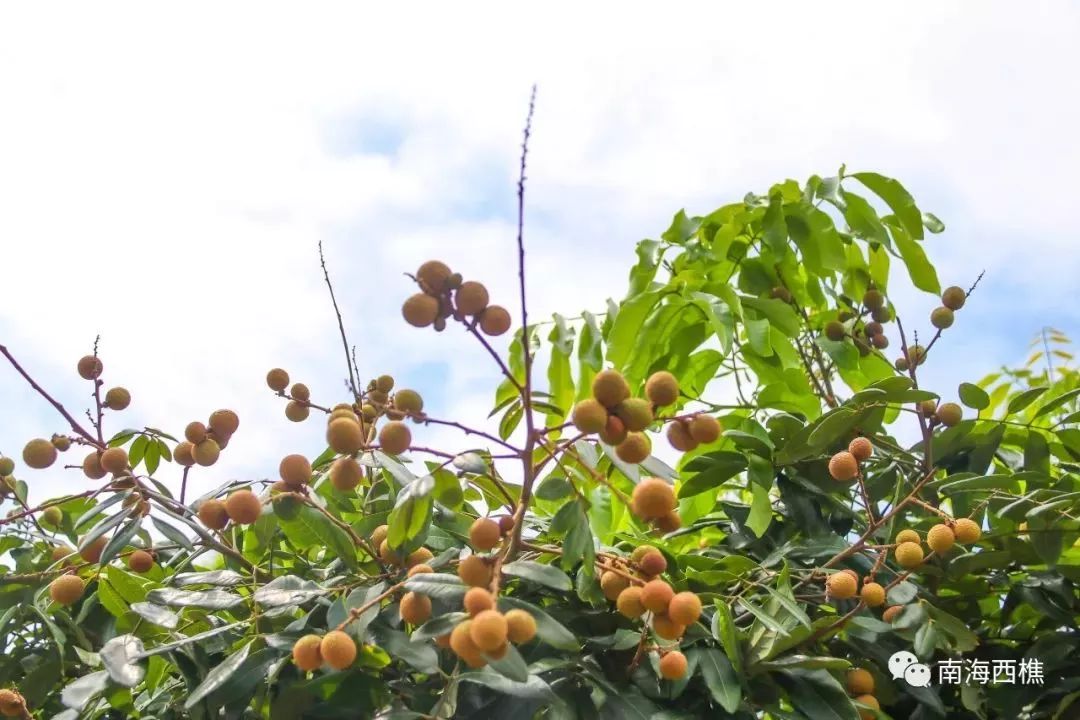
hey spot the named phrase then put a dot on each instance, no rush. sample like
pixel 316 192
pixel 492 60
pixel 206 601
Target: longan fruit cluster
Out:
pixel 844 465
pixel 12 704
pixel 7 479
pixel 203 442
pixel 242 507
pixel 865 327
pixel 653 501
pixel 860 686
pixel 951 300
pixel 444 294
pixel 844 585
pixel 948 414
pixel 336 649
pixel 940 538
pixel 388 556
pixel 685 434
pixel 488 633
pixel 298 408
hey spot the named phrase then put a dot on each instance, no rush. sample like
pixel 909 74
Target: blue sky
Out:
pixel 165 180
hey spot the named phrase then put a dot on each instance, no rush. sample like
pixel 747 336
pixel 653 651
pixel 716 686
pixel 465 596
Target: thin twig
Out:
pixel 60 408
pixel 341 326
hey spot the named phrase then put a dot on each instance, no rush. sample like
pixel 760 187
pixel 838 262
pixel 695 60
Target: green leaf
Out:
pixel 777 312
pixel 548 629
pixel 863 219
pixel 539 573
pixel 897 198
pixel 817 694
pixel 440 585
pixel 761 514
pixel 437 627
pixel 922 272
pixel 120 540
pixel 1024 399
pixel 973 396
pixel 207 599
pixel 727 633
pixel 1056 402
pixel 763 617
pixel 511 665
pixel 625 333
pixel 711 471
pixel 411 517
pixel 758 332
pixel 931 223
pixel 720 678
pixel 217 677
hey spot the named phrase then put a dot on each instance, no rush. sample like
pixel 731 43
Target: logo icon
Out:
pixel 904 665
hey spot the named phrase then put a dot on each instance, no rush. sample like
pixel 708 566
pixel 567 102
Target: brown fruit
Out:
pixel 418 569
pixel 667 628
pixel 861 449
pixel 7 466
pixel 295 470
pixel 873 299
pixel 92 553
pixel 614 431
pixel 609 388
pixel 908 535
pixel 662 388
pixel 443 641
pixel 408 401
pixel 953 298
pixel 909 555
pixel 652 498
pixel 388 555
pixel 471 298
pixel 420 310
pixel 140 561
pixel 213 514
pixel 12 704
pixel 338 649
pixel 636 414
pixel 494 321
pixel 673 665
pixel 668 523
pixel 415 608
pixel 678 434
pixel 433 275
pixel 477 600
pixel 224 423
pixel 835 331
pixel 61 442
pixel 684 608
pixel 901 364
pixel 278 380
pixel 379 534
pixel 345 436
pixel 474 571
pixel 841 586
pixel 346 474
pixel 940 538
pixel 704 429
pixel 117 398
pixel 489 630
pixel 873 328
pixel 506 524
pixel 882 315
pixel 419 556
pixel 306 654
pixel 67 589
pixel 89 367
pixel 859 682
pixel 655 596
pixel 484 534
pixel 39 454
pixel 966 531
pixel 843 466
pixel 462 644
pixel 612 584
pixel 296 411
pixel 950 414
pixel 892 612
pixel 395 438
pixel 927 407
pixel 635 449
pixel 872 594
pixel 629 602
pixel 942 318
pixel 652 563
pixel 183 454
pixel 243 507
pixel 916 355
pixel 869 701
pixel 206 453
pixel 114 460
pixel 880 342
pixel 780 293
pixel 589 416
pixel 300 391
pixel 195 432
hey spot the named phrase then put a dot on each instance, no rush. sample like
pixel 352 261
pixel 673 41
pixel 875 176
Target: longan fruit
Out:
pixel 873 328
pixel 940 538
pixel 415 608
pixel 306 654
pixel 484 534
pixel 609 388
pixel 882 315
pixel 92 466
pixel 296 411
pixel 461 643
pixel 635 449
pixel 684 608
pixel 379 534
pixel 652 498
pixel 636 414
pixel 873 299
pixel 206 453
pixel 942 318
pixel 243 507
pixel 949 414
pixel 655 596
pixel 114 460
pixel 861 449
pixel 91 553
pixel 195 432
pixel 39 454
pixel 377 396
pixel 344 436
pixel 337 649
pixel 471 298
pixel 880 342
pixel 7 466
pixel 667 628
pixel 872 594
pixel 869 701
pixel 613 432
pixel 495 320
pixel 419 556
pixel 67 589
pixel 612 584
pixel 408 401
pixel 835 331
pixel 780 293
pixel 662 388
pixel 53 515
pixel 278 380
pixel 852 573
pixel 859 682
pixel 908 535
pixel 506 524
pixel 640 551
pixel 478 599
pixel 673 665
pixel 346 474
pixel 384 383
pixel 433 275
pixel 704 429
pixel 12 703
pixel 117 398
pixel 916 355
pixel 224 423
pixel 294 469
pixel 89 367
pixel 843 466
pixel 489 630
pixel 212 514
pixel 668 523
pixel 140 561
pixel 901 364
pixel 589 416
pixel 953 298
pixel 927 407
pixel 300 391
pixel 892 612
pixel 388 555
pixel 678 435
pixel 629 602
pixel 418 569
pixel 500 653
pixel 653 563
pixel 474 571
pixel 395 438
pixel 909 555
pixel 841 586
pixel 966 531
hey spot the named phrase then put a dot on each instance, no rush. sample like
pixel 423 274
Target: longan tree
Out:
pixel 827 508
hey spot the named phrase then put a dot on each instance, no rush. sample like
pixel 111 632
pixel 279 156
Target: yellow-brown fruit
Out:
pixel 368 412
pixel 843 466
pixel 471 298
pixel 612 584
pixel 420 310
pixel 873 299
pixel 927 407
pixel 443 641
pixel 653 563
pixel 909 555
pixel 243 507
pixel 195 432
pixel 89 367
pixel 379 534
pixel 462 644
pixel 678 434
pixel 92 553
pixel 415 608
pixel 953 298
pixel 206 453
pixel 673 665
pixel 346 413
pixel 880 342
pixel 614 432
pixel 388 555
pixel 835 331
pixel 684 608
pixel 420 568
pixel 12 703
pixel 338 649
pixel 704 429
pixel 433 275
pixel 940 538
pixel 419 556
pixel 39 454
pixel 345 436
pixel 652 498
pixel 67 589
pixel 7 466
pixel 489 630
pixel 869 701
pixel 395 438
pixel 494 321
pixel 668 523
pixel 277 379
pixel 474 571
pixel 636 414
pixel 384 383
pixel 861 449
pixel 114 460
pixel 61 442
pixel 589 416
pixel 841 586
pixel 942 318
pixel 408 401
pixel 609 388
pixel 662 388
pixel 859 682
pixel 140 561
pixel 629 602
pixel 477 600
pixel 306 653
pixel 213 514
pixel 484 534
pixel 224 423
pixel 967 531
pixel 872 594
pixel 377 396
pixel 499 653
pixel 297 411
pixel 640 552
pixel 901 364
pixel 892 612
pixel 666 628
pixel 52 515
pixel 908 535
pixel 346 474
pixel 635 449
pixel 950 414
pixel 183 454
pixel 655 596
pixel 916 355
pixel 852 573
pixel 300 391
pixel 506 523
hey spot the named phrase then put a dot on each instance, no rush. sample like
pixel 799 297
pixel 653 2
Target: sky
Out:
pixel 166 175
